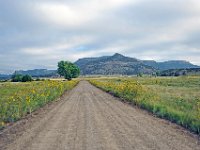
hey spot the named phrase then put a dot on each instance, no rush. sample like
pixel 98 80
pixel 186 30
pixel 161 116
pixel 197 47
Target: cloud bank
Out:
pixel 39 33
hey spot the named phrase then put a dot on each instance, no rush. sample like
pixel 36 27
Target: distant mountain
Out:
pixel 84 61
pixel 119 65
pixel 113 65
pixel 174 64
pixel 122 65
pixel 38 72
pixel 4 76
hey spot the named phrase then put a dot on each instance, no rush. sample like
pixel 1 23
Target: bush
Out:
pixel 27 78
pixel 21 78
pixel 38 79
pixel 4 80
pixel 17 78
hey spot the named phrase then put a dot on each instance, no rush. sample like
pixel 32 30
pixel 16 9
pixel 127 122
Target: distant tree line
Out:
pixel 21 78
pixel 179 72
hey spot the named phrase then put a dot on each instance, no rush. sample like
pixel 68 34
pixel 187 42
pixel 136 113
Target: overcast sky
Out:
pixel 39 33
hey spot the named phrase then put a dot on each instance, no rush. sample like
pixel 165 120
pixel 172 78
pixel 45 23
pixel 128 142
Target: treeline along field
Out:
pixel 176 99
pixel 18 99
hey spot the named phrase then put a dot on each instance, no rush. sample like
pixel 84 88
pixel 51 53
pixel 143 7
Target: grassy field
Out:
pixel 176 99
pixel 18 99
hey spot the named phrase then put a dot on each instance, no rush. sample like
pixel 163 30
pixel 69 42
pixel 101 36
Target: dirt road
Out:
pixel 89 119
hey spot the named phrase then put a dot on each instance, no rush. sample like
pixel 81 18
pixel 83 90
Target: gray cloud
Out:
pixel 39 33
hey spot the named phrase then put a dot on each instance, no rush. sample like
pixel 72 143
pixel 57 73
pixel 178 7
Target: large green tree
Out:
pixel 68 70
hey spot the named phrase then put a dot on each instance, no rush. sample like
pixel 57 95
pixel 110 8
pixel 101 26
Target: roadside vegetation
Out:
pixel 176 99
pixel 18 99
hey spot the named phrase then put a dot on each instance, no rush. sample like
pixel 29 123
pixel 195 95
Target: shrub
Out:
pixel 27 78
pixel 38 79
pixel 17 78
